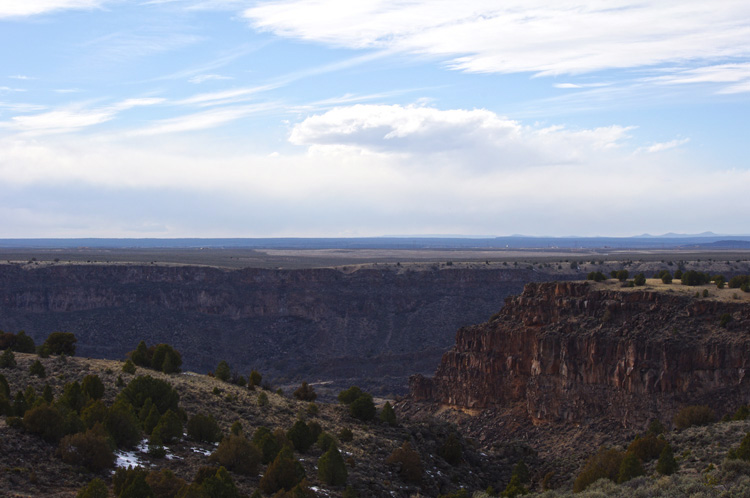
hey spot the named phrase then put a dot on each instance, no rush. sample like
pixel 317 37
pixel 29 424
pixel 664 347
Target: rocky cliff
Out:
pixel 578 351
pixel 368 326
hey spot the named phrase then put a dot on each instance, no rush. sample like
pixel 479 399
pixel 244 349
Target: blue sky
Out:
pixel 233 118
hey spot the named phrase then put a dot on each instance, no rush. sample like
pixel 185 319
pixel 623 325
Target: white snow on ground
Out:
pixel 201 451
pixel 127 459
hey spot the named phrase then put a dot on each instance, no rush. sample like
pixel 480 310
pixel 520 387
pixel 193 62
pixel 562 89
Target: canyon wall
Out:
pixel 571 351
pixel 373 327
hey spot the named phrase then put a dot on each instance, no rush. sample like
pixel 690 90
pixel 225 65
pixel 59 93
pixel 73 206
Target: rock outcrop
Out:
pixel 576 351
pixel 371 327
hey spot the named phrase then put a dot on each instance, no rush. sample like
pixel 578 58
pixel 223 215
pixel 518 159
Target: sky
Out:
pixel 340 118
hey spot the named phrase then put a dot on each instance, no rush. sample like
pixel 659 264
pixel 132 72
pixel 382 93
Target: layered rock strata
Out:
pixel 371 327
pixel 574 351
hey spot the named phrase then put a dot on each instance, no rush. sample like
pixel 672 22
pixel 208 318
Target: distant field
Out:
pixel 416 259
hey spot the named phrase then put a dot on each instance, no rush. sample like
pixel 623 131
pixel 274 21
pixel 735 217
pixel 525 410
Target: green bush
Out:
pixel 8 359
pixel 305 392
pixel 122 424
pixel 138 488
pixel 622 275
pixel 128 367
pixel 89 449
pixel 725 319
pixel 346 435
pixel 262 399
pixel 596 276
pixel 301 436
pixel 743 451
pixel 169 428
pixel 410 465
pixel 363 408
pixel 647 448
pixel 141 356
pixel 325 441
pixel 666 465
pixel 630 467
pixel 254 379
pixel 736 282
pixel 164 483
pixel 4 387
pixel 694 415
pixel 388 415
pixel 123 478
pixel 223 372
pixel 95 411
pixel 604 464
pixel 73 396
pixel 331 467
pixel 742 413
pixel 46 421
pixel 693 278
pixel 219 485
pixel 94 489
pixel 166 359
pixel 37 369
pixel 24 343
pixel 143 387
pixel 237 454
pixel 93 387
pixel 639 280
pixel 283 473
pixel 267 443
pixel 348 396
pixel 60 343
pixel 451 450
pixel 203 428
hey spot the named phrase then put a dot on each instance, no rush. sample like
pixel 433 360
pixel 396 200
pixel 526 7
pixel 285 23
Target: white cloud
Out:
pixel 202 78
pixel 472 139
pixel 73 118
pixel 536 36
pixel 737 76
pixel 662 146
pixel 22 8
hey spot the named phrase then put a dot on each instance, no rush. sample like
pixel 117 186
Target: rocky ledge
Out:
pixel 578 351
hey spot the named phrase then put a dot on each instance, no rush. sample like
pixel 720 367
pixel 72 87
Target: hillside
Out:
pixel 29 465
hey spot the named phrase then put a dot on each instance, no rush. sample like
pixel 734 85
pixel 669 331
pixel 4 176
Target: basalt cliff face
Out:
pixel 572 351
pixel 317 324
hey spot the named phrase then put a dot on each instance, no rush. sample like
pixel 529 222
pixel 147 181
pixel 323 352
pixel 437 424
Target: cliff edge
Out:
pixel 579 351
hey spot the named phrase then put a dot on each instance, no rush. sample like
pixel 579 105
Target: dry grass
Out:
pixel 653 284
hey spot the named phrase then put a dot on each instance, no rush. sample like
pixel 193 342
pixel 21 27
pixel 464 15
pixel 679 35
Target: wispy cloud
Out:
pixel 202 78
pixel 72 118
pixel 520 35
pixel 143 42
pixel 24 8
pixel 21 77
pixel 201 120
pixel 9 89
pixel 662 146
pixel 733 78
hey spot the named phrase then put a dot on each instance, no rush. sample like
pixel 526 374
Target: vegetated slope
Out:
pixel 29 466
pixel 571 366
pixel 371 327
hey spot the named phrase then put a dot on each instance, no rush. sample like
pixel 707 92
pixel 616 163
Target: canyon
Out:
pixel 372 327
